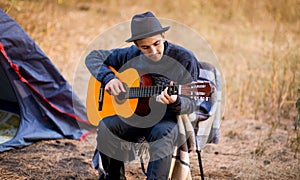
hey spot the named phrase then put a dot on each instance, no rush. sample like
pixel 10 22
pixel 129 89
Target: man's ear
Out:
pixel 163 35
pixel 135 43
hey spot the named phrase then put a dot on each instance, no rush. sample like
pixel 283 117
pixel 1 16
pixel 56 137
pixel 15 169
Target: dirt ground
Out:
pixel 249 148
pixel 245 152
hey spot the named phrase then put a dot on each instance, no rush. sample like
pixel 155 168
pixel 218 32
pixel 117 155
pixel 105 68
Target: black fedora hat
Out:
pixel 145 25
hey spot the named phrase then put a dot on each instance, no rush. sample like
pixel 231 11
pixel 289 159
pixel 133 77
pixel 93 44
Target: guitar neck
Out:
pixel 194 90
pixel 148 91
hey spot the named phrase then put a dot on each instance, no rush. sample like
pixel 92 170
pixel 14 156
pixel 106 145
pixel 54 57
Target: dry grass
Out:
pixel 257 43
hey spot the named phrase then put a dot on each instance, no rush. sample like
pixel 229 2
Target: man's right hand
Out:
pixel 115 87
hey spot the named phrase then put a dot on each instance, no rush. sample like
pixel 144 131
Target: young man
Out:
pixel 165 63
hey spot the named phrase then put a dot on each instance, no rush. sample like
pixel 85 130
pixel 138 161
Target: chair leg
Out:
pixel 143 165
pixel 172 163
pixel 200 164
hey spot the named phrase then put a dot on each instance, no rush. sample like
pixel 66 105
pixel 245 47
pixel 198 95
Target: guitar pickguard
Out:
pixel 143 108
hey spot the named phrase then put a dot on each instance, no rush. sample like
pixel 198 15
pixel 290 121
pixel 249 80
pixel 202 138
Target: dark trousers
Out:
pixel 116 137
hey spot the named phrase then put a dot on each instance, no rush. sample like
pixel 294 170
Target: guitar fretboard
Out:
pixel 148 91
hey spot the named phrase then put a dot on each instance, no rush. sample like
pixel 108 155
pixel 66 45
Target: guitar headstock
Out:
pixel 197 90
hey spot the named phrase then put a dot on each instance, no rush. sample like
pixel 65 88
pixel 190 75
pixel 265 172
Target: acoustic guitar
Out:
pixel 101 104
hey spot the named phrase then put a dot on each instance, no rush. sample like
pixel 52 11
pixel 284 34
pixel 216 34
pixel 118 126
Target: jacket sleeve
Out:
pixel 183 105
pixel 98 62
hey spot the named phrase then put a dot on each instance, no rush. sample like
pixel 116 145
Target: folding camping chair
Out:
pixel 142 151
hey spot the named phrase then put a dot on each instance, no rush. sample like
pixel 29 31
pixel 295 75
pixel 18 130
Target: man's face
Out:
pixel 152 47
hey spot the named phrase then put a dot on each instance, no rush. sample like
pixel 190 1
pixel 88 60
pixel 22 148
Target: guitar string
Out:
pixel 147 91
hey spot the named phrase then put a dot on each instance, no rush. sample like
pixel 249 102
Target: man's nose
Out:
pixel 153 50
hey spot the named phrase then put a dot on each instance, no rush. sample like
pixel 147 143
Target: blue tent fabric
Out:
pixel 32 87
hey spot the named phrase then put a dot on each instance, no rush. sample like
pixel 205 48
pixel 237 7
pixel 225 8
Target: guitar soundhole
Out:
pixel 120 99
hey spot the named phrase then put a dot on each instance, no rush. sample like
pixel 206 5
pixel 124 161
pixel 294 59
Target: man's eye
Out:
pixel 157 43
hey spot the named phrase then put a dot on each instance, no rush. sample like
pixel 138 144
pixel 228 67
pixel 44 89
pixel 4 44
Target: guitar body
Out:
pixel 111 105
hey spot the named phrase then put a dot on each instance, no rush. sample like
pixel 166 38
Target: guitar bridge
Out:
pixel 100 99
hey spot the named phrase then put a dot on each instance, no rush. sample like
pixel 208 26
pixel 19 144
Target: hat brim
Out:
pixel 142 36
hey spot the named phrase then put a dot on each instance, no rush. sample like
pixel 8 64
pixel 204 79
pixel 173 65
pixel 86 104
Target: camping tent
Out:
pixel 36 102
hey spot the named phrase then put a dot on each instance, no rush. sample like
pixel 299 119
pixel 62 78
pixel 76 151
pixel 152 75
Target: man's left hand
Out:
pixel 165 98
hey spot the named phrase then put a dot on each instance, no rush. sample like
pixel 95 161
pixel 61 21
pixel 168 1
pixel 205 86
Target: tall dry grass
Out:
pixel 257 42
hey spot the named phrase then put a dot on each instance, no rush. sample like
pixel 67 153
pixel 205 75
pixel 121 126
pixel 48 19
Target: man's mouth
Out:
pixel 154 56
